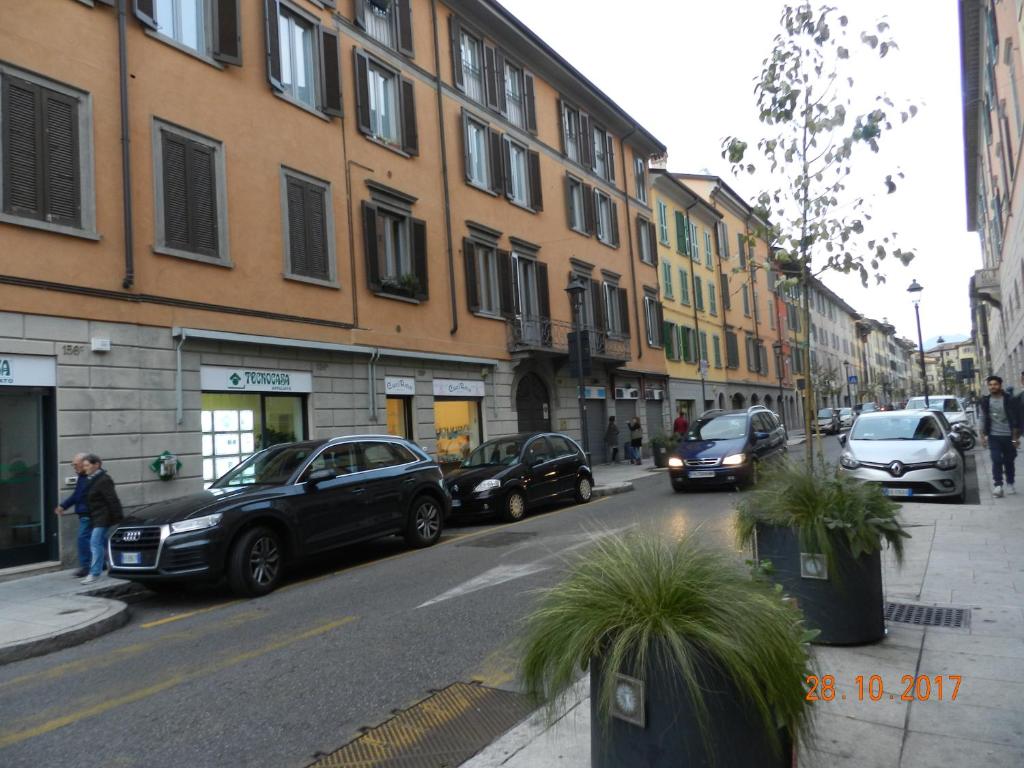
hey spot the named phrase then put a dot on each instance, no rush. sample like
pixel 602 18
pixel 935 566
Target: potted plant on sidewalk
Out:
pixel 692 661
pixel 662 446
pixel 822 535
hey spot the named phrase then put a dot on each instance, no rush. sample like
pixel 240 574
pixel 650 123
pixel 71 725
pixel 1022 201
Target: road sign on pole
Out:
pixel 851 379
pixel 703 368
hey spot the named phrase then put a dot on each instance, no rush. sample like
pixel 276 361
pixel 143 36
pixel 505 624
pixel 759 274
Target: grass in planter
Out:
pixel 821 504
pixel 639 597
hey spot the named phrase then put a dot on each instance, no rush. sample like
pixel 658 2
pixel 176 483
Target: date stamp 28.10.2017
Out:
pixel 872 688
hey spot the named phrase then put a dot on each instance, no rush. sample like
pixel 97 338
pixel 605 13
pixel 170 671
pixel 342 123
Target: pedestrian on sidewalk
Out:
pixel 104 509
pixel 1000 431
pixel 611 440
pixel 680 426
pixel 77 501
pixel 636 440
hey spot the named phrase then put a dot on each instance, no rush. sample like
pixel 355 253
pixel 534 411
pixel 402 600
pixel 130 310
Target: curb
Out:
pixel 611 489
pixel 114 617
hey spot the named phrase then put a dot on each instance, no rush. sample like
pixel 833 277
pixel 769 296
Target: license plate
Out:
pixel 131 558
pixel 898 491
pixel 456 503
pixel 698 475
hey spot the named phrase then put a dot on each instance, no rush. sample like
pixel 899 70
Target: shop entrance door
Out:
pixel 532 405
pixel 28 531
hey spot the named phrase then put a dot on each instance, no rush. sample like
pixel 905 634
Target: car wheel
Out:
pixel 424 528
pixel 584 490
pixel 515 507
pixel 256 564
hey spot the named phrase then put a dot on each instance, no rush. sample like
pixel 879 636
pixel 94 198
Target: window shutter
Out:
pixel 609 156
pixel 60 150
pixel 506 284
pixel 202 187
pixel 316 232
pixel 531 103
pixel 144 12
pixel 568 201
pixel 22 152
pixel 419 257
pixel 467 162
pixel 490 76
pixel 227 34
pixel 410 135
pixel 469 257
pixel 615 224
pixel 403 19
pixel 497 161
pixel 506 154
pixel 680 232
pixel 297 228
pixel 652 235
pixel 542 290
pixel 331 66
pixel 586 141
pixel 360 13
pixel 624 310
pixel 589 212
pixel 176 205
pixel 456 42
pixel 536 193
pixel 726 300
pixel 270 18
pixel 561 125
pixel 718 238
pixel 362 69
pixel 499 81
pixel 668 333
pixel 597 300
pixel 640 225
pixel 370 245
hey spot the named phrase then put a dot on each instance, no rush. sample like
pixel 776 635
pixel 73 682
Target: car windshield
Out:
pixel 908 426
pixel 868 408
pixel 944 404
pixel 825 413
pixel 495 452
pixel 845 411
pixel 272 466
pixel 719 428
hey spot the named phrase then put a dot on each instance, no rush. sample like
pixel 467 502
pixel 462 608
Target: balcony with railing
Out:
pixel 543 335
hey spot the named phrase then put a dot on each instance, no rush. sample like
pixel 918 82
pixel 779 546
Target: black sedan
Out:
pixel 508 475
pixel 281 505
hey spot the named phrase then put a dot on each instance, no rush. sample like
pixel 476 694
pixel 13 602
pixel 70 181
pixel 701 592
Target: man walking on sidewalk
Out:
pixel 1000 430
pixel 77 500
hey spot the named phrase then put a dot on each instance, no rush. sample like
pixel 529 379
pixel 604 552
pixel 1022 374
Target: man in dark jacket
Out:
pixel 104 509
pixel 77 500
pixel 1000 430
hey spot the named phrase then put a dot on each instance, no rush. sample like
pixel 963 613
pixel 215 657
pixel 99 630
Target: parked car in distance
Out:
pixel 948 405
pixel 845 418
pixel 911 454
pixel 726 448
pixel 282 505
pixel 828 420
pixel 508 476
pixel 860 408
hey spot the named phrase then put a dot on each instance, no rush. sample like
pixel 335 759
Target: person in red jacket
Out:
pixel 680 426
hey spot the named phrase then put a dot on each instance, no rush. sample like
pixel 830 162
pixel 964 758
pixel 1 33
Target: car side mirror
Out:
pixel 320 475
pixel 843 439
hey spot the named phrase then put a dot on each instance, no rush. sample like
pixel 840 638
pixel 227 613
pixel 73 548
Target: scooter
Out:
pixel 968 437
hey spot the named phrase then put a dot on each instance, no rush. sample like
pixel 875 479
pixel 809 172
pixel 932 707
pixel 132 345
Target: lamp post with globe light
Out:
pixel 915 294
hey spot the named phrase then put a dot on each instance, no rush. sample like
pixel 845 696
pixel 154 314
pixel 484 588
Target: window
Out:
pixel 302 58
pixel 741 249
pixel 684 286
pixel 386 105
pixel 716 349
pixel 603 153
pixel 522 178
pixel 645 239
pixel 479 141
pixel 707 250
pixel 387 21
pixel 396 248
pixel 682 234
pixel 515 100
pixel 726 298
pixel 472 67
pixel 672 346
pixel 688 344
pixel 698 292
pixel 531 303
pixel 662 223
pixel 640 178
pixel 732 350
pixel 654 320
pixel 607 215
pixel 488 278
pixel 745 291
pixel 616 310
pixel 694 242
pixel 703 346
pixel 309 228
pixel 712 299
pixel 666 274
pixel 579 200
pixel 571 133
pixel 186 22
pixel 722 240
pixel 46 154
pixel 191 198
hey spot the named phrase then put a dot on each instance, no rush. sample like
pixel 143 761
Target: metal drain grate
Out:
pixel 445 729
pixel 499 539
pixel 927 615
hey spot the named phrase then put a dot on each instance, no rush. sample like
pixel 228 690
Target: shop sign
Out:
pixel 219 379
pixel 594 393
pixel 458 388
pixel 399 386
pixel 26 371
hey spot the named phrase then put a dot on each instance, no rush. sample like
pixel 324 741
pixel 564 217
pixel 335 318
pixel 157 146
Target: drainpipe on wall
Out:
pixel 696 321
pixel 629 239
pixel 179 397
pixel 126 161
pixel 444 171
pixel 371 375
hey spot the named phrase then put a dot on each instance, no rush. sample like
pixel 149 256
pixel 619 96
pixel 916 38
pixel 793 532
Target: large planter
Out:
pixel 847 606
pixel 672 736
pixel 660 455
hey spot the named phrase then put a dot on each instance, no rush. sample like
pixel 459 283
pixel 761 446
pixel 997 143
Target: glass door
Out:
pixel 23 517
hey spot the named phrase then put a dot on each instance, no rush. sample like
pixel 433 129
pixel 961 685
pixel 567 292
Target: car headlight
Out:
pixel 675 461
pixel 487 485
pixel 846 461
pixel 734 460
pixel 949 460
pixel 196 523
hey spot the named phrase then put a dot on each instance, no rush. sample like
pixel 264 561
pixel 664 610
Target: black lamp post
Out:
pixel 915 294
pixel 777 348
pixel 849 400
pixel 942 356
pixel 575 289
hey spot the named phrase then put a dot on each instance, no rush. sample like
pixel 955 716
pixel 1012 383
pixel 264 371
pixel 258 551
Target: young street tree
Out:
pixel 819 122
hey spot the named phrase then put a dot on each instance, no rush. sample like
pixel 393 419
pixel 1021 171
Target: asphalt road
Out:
pixel 203 679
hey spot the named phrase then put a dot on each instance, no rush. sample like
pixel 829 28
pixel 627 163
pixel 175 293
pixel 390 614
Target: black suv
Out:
pixel 726 448
pixel 280 505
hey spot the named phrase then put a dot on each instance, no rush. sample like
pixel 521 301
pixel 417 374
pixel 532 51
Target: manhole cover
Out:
pixel 445 729
pixel 499 539
pixel 927 615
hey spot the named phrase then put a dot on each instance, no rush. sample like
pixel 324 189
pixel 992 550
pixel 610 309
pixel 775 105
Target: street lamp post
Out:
pixel 942 357
pixel 575 290
pixel 849 399
pixel 777 348
pixel 915 293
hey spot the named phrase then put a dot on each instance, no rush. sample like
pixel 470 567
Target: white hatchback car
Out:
pixel 949 405
pixel 909 453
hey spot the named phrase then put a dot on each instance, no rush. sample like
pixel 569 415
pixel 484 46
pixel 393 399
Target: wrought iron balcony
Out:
pixel 542 334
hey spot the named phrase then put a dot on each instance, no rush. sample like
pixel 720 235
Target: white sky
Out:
pixel 685 70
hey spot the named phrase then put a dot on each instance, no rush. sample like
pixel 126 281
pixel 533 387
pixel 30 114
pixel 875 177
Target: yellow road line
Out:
pixel 187 615
pixel 15 737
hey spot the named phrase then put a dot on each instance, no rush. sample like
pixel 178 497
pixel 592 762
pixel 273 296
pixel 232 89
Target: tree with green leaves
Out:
pixel 818 123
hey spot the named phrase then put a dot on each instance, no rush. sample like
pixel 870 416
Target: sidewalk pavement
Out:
pixel 964 556
pixel 615 478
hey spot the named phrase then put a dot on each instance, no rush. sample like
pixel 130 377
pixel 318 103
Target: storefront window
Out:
pixel 21 476
pixel 457 423
pixel 400 417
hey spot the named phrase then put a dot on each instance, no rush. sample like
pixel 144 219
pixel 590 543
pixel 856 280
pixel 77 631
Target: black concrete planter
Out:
pixel 661 454
pixel 848 606
pixel 671 735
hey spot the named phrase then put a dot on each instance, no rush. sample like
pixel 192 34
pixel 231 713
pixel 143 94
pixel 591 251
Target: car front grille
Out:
pixel 136 539
pixel 703 462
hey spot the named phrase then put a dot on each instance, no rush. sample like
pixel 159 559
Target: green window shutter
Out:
pixel 684 282
pixel 680 232
pixel 703 345
pixel 698 292
pixel 685 339
pixel 712 300
pixel 666 270
pixel 716 347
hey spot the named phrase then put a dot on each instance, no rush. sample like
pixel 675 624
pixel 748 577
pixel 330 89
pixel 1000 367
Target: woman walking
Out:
pixel 636 440
pixel 104 511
